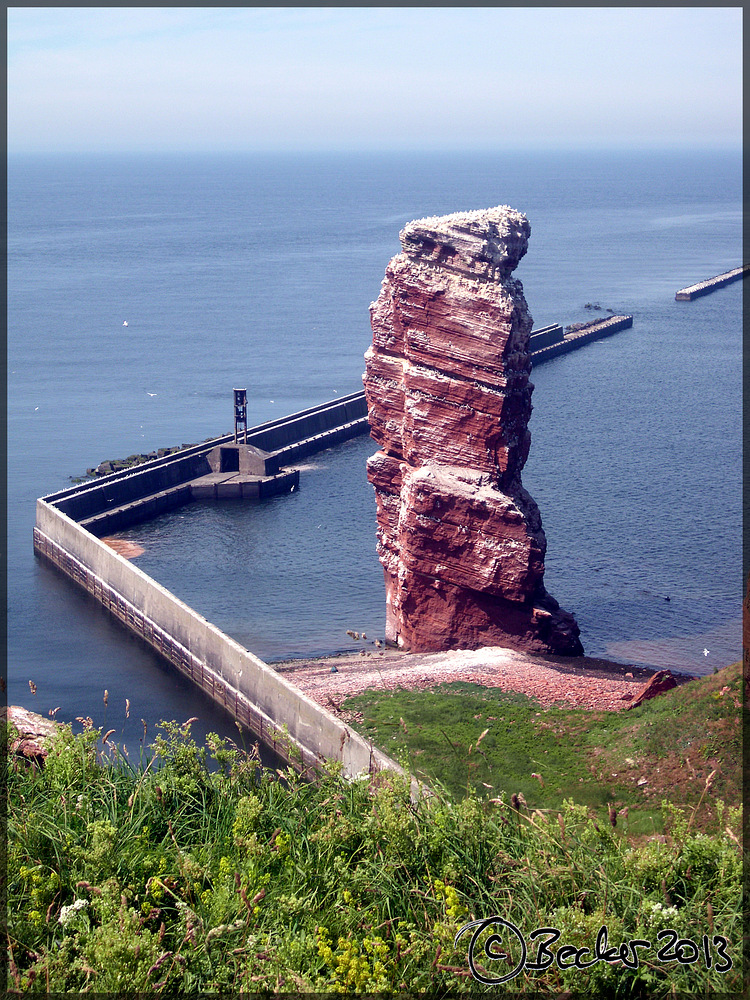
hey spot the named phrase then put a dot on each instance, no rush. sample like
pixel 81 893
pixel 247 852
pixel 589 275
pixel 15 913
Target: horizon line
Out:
pixel 614 147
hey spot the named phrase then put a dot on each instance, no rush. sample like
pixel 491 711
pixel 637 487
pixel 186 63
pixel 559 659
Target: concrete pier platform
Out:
pixel 223 485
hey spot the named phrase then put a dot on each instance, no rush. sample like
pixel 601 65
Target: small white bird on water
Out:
pixel 125 323
pixel 705 652
pixel 152 393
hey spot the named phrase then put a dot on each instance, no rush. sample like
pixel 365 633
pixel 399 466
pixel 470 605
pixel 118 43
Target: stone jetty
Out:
pixel 711 284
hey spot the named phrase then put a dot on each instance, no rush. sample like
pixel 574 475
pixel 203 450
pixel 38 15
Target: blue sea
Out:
pixel 257 271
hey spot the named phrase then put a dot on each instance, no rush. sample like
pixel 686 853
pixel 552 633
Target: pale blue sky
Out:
pixel 265 78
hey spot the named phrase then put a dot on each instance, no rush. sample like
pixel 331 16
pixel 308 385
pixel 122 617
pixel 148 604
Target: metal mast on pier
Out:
pixel 240 414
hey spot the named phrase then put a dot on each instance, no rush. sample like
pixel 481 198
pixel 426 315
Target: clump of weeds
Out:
pixel 197 870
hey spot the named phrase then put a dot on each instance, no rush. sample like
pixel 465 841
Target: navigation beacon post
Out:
pixel 240 414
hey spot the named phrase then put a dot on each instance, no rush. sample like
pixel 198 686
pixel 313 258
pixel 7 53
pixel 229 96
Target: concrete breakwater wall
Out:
pixel 711 284
pixel 309 431
pixel 545 336
pixel 120 499
pixel 278 713
pixel 578 338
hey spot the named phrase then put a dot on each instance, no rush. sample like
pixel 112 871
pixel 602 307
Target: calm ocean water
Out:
pixel 258 272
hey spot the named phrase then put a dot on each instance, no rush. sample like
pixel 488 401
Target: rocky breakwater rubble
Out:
pixel 449 400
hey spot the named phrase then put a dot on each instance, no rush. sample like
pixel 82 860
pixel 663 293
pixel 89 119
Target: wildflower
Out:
pixel 68 912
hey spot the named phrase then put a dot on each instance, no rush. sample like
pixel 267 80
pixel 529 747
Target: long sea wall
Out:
pixel 282 717
pixel 711 284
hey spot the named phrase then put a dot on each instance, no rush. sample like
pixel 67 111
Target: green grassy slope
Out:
pixel 482 739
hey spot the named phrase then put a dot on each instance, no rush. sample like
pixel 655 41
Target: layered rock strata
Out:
pixel 449 401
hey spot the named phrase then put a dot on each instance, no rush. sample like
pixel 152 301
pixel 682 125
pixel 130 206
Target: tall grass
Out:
pixel 196 870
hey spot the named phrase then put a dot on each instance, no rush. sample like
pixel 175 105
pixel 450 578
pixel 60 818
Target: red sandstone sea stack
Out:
pixel 449 401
